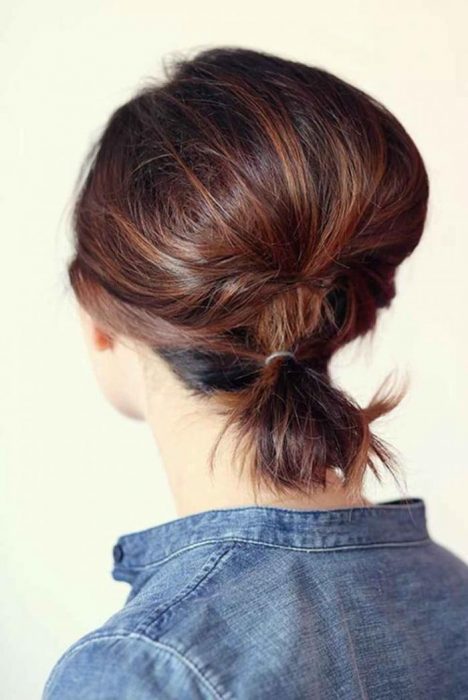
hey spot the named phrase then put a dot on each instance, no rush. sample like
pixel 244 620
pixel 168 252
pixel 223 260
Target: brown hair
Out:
pixel 248 204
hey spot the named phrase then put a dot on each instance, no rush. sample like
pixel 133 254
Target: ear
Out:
pixel 101 340
pixel 98 339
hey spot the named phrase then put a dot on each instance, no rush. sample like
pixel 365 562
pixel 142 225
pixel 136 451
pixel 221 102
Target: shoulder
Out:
pixel 148 649
pixel 125 666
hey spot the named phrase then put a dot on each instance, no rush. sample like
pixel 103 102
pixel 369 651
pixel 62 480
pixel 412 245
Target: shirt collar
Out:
pixel 389 523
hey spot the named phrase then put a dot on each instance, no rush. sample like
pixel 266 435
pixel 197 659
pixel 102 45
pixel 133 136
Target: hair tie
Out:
pixel 279 353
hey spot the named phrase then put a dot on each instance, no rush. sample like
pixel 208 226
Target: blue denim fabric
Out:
pixel 274 603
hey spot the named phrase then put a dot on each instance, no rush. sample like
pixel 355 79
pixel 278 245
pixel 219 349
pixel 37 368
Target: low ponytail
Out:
pixel 246 204
pixel 293 425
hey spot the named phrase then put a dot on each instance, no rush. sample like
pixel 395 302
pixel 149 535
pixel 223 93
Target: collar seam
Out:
pixel 323 549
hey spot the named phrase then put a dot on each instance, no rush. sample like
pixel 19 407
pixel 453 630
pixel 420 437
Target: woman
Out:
pixel 237 225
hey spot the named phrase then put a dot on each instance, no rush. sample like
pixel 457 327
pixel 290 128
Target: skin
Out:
pixel 139 385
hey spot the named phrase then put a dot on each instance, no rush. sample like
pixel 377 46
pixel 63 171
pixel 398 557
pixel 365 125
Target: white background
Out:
pixel 75 474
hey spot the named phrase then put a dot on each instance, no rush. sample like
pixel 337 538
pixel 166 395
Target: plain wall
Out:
pixel 75 474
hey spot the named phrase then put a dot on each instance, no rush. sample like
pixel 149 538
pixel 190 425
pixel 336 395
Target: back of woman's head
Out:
pixel 249 204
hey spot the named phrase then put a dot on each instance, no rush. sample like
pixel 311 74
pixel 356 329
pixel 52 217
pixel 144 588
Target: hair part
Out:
pixel 246 204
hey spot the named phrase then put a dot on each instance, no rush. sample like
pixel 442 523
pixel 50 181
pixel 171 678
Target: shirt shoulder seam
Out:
pixel 147 626
pixel 156 644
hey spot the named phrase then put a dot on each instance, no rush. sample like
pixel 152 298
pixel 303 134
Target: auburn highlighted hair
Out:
pixel 246 204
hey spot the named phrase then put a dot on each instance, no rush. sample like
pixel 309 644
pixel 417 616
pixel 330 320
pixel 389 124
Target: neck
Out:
pixel 185 430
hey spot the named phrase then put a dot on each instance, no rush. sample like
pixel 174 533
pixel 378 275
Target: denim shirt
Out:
pixel 277 603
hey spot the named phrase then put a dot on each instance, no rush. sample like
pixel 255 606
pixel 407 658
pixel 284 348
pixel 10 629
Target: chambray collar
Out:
pixel 389 523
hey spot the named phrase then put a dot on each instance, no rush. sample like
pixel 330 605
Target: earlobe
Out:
pixel 96 336
pixel 101 340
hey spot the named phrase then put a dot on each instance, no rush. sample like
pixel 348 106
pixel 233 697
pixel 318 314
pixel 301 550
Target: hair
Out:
pixel 246 204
